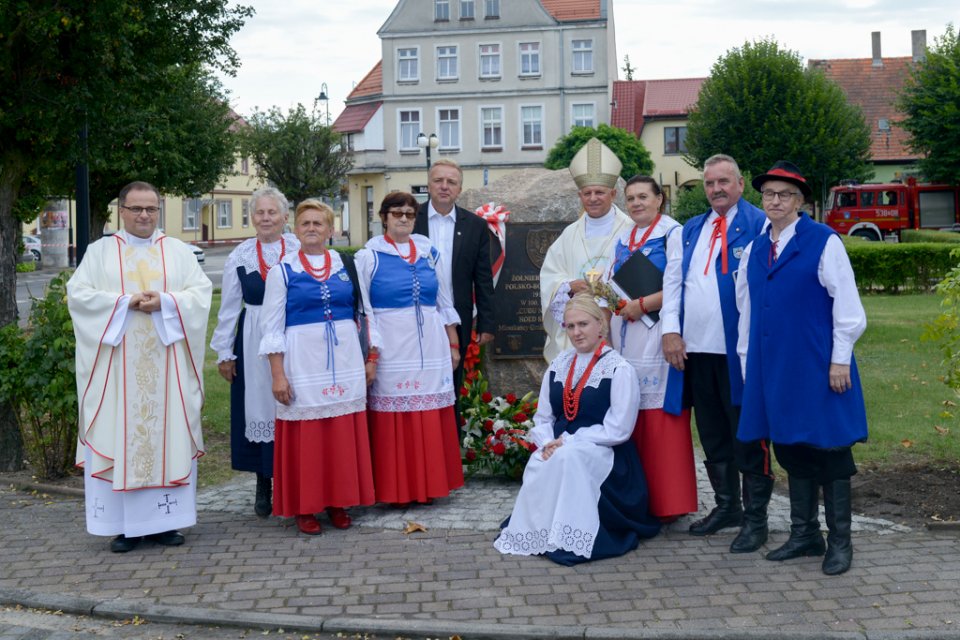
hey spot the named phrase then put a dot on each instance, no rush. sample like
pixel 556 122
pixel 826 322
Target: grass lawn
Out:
pixel 906 401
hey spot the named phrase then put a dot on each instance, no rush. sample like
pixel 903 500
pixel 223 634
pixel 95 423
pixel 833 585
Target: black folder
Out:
pixel 638 277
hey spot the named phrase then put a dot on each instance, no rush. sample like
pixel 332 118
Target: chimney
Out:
pixel 877 59
pixel 919 38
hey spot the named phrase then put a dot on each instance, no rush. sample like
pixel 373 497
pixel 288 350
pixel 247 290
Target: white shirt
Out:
pixel 441 236
pixel 702 317
pixel 835 275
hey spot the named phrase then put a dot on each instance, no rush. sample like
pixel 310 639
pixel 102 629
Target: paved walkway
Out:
pixel 237 569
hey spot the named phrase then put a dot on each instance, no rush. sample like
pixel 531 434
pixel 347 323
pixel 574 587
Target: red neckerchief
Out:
pixel 719 231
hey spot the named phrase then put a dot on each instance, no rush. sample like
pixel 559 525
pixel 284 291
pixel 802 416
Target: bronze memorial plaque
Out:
pixel 517 298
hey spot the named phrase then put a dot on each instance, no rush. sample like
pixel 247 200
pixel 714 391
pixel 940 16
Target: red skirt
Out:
pixel 416 454
pixel 321 463
pixel 666 452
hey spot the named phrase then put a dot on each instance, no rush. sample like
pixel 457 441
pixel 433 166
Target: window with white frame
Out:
pixel 448 120
pixel 409 129
pixel 530 58
pixel 492 9
pixel 583 115
pixel 582 56
pixel 245 213
pixel 408 67
pixel 466 9
pixel 441 10
pixel 224 214
pixel 447 62
pixel 674 140
pixel 191 213
pixel 531 124
pixel 491 124
pixel 490 61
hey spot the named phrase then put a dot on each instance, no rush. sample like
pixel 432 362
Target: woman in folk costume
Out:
pixel 582 252
pixel 322 451
pixel 413 352
pixel 663 440
pixel 584 496
pixel 800 315
pixel 236 340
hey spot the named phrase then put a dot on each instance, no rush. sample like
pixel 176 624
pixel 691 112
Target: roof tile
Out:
pixel 572 10
pixel 371 85
pixel 355 117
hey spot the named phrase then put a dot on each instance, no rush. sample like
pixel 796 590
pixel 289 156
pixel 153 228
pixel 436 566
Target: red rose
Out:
pixel 500 433
pixel 499 449
pixel 520 417
pixel 471 455
pixel 488 425
pixel 464 392
pixel 471 376
pixel 487 396
pixel 511 398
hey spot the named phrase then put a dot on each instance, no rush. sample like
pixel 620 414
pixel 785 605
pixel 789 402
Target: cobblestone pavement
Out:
pixel 449 580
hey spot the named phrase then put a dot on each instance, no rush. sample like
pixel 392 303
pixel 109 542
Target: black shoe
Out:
pixel 122 544
pixel 836 506
pixel 172 538
pixel 805 537
pixel 262 505
pixel 725 480
pixel 756 496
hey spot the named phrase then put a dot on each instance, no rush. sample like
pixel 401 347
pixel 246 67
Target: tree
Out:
pixel 62 62
pixel 296 151
pixel 761 105
pixel 692 201
pixel 931 102
pixel 634 156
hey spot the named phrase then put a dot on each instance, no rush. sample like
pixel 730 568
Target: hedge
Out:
pixel 928 235
pixel 892 268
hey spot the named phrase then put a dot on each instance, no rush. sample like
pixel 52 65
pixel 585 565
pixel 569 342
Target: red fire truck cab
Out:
pixel 878 211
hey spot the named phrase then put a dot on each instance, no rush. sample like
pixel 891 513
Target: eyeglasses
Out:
pixel 770 195
pixel 409 215
pixel 138 210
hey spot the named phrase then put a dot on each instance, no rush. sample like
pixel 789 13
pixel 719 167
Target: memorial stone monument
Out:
pixel 542 203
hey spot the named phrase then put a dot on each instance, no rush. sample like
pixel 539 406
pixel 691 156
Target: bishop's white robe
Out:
pixel 139 382
pixel 569 258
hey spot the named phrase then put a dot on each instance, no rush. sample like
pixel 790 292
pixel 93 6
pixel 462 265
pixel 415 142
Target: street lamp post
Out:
pixel 428 143
pixel 325 98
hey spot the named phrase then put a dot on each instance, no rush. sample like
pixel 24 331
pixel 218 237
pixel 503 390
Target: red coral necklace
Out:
pixel 571 395
pixel 412 258
pixel 263 263
pixel 320 274
pixel 634 245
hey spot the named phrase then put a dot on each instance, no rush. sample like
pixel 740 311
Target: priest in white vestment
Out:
pixel 139 303
pixel 583 250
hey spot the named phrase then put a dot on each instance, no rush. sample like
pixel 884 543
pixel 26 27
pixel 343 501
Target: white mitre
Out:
pixel 595 164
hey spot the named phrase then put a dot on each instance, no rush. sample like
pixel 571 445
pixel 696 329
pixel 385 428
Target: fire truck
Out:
pixel 880 211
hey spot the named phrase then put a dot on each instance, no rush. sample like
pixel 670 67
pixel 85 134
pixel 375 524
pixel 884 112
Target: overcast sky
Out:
pixel 289 47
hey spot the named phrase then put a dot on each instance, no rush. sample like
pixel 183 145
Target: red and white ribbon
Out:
pixel 496 217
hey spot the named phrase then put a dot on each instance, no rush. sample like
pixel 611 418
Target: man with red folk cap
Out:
pixel 800 315
pixel 700 324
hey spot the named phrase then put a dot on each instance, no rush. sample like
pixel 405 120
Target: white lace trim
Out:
pixel 423 244
pixel 273 343
pixel 400 404
pixel 259 431
pixel 245 255
pixel 319 412
pixel 604 368
pixel 651 400
pixel 531 543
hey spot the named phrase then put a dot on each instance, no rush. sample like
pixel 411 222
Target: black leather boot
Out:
pixel 836 505
pixel 805 537
pixel 725 480
pixel 263 505
pixel 756 496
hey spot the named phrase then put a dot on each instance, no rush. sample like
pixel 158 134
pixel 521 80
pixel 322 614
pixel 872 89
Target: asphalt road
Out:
pixel 32 285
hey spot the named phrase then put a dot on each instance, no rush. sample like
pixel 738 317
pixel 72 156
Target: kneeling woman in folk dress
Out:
pixel 584 495
pixel 322 449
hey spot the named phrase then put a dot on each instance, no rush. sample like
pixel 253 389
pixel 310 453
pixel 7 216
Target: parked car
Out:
pixel 32 248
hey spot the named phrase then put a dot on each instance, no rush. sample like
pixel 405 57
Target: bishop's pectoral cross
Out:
pixel 592 275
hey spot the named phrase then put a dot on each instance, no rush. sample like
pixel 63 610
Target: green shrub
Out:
pixel 39 381
pixel 26 267
pixel 899 267
pixel 928 235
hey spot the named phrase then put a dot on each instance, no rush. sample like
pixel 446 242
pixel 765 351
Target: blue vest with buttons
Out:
pixel 397 284
pixel 310 301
